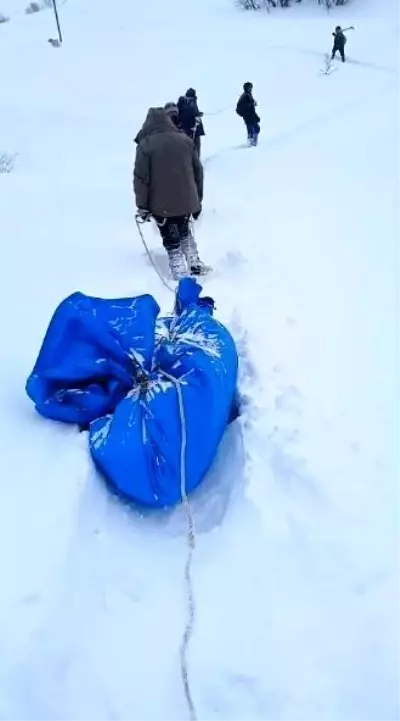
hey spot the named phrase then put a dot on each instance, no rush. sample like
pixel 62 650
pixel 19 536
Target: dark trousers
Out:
pixel 173 230
pixel 193 135
pixel 197 143
pixel 338 50
pixel 253 130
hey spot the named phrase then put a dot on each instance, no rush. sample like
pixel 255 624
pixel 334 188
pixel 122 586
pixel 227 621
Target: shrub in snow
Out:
pixel 6 162
pixel 266 4
pixel 331 3
pixel 3 18
pixel 32 8
pixel 35 7
pixel 255 4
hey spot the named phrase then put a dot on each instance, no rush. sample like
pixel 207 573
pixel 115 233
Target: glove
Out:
pixel 197 214
pixel 144 214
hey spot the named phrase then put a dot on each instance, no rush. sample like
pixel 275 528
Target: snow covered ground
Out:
pixel 296 566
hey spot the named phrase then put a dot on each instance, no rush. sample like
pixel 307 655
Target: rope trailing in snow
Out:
pixel 188 631
pixel 191 542
pixel 220 110
pixel 191 539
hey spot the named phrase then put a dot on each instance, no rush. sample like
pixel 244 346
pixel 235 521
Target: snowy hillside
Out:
pixel 296 564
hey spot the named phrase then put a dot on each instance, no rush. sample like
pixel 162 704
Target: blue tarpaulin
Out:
pixel 105 365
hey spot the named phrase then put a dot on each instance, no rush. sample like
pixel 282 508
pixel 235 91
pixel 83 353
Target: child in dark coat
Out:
pixel 190 117
pixel 339 42
pixel 246 108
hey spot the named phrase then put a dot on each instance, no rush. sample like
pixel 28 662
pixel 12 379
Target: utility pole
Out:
pixel 57 21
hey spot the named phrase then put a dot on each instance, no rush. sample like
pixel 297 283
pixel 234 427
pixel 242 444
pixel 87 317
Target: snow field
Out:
pixel 296 566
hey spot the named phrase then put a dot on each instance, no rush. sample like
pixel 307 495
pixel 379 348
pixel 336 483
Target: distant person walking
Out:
pixel 246 108
pixel 190 117
pixel 172 111
pixel 339 42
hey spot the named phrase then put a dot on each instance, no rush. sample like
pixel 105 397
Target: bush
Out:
pixel 6 162
pixel 3 18
pixel 267 4
pixel 255 4
pixel 33 8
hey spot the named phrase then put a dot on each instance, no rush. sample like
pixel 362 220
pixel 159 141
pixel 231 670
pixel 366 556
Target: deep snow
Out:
pixel 296 566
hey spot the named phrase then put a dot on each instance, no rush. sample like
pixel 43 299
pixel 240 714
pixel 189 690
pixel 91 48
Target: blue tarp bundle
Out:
pixel 102 365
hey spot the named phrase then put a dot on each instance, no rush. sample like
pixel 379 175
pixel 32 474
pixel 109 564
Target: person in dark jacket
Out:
pixel 168 186
pixel 338 43
pixel 172 110
pixel 190 117
pixel 246 108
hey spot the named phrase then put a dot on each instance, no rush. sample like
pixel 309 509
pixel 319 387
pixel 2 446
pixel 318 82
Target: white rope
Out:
pixel 218 112
pixel 191 540
pixel 188 631
pixel 152 261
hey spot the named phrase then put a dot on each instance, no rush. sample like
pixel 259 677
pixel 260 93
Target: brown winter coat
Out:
pixel 168 175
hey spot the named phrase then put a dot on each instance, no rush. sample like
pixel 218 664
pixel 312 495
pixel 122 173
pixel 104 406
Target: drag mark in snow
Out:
pixel 214 156
pixel 315 53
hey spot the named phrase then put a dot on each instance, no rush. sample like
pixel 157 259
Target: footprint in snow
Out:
pixel 239 696
pixel 289 401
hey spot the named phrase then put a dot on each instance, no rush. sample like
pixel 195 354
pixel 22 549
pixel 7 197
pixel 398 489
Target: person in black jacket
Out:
pixel 338 43
pixel 172 111
pixel 246 108
pixel 190 117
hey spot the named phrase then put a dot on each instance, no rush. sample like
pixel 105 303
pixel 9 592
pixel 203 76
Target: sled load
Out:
pixel 151 391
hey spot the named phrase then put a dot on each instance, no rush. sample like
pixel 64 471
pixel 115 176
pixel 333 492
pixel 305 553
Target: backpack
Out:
pixel 239 106
pixel 181 103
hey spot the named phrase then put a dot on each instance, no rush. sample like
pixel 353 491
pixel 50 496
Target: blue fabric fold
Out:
pixel 102 365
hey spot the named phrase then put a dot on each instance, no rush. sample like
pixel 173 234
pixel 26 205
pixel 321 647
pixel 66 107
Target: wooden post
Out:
pixel 57 21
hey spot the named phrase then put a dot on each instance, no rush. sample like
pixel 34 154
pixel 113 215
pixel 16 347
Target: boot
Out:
pixel 177 263
pixel 195 265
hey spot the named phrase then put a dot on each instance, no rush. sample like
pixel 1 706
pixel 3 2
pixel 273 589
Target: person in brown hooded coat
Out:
pixel 168 186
